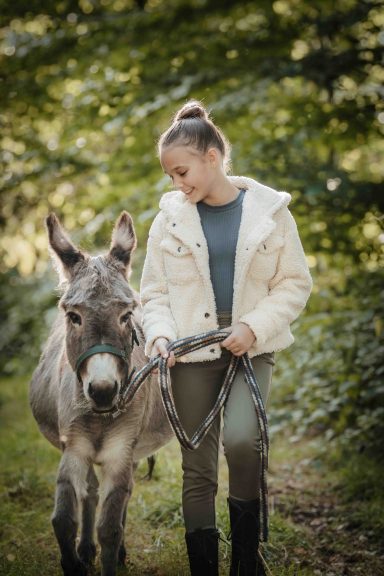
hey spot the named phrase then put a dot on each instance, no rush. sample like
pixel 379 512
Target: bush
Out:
pixel 332 384
pixel 27 309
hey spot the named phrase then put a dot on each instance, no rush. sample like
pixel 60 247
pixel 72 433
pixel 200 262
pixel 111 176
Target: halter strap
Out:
pixel 99 349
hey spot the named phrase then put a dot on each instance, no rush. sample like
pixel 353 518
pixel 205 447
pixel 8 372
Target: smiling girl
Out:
pixel 223 252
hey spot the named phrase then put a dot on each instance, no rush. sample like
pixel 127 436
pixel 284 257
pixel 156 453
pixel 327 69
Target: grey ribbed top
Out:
pixel 221 229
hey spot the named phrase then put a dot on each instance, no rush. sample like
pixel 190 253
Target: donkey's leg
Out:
pixel 110 527
pixel 86 548
pixel 70 487
pixel 122 550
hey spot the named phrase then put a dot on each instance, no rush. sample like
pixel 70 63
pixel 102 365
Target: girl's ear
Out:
pixel 214 157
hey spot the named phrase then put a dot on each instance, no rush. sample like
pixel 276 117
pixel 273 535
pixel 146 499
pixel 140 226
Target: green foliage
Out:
pixel 27 308
pixel 296 86
pixel 333 383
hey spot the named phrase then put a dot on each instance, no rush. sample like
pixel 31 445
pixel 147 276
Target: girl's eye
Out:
pixel 182 173
pixel 125 317
pixel 74 318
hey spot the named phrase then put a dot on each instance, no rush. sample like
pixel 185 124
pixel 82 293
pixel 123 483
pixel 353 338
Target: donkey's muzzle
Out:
pixel 103 395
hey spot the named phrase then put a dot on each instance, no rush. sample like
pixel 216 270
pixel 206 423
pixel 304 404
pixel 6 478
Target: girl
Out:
pixel 223 252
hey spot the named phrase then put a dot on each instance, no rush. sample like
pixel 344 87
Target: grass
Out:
pixel 303 488
pixel 362 488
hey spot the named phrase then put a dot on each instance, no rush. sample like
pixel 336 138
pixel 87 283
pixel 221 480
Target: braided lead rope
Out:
pixel 179 347
pixel 187 345
pixel 198 436
pixel 263 426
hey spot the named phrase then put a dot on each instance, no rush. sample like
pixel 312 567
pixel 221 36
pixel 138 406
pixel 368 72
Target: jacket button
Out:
pixel 212 350
pixel 197 244
pixel 206 315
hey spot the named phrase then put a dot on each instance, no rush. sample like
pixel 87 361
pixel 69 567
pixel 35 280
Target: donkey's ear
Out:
pixel 123 239
pixel 64 253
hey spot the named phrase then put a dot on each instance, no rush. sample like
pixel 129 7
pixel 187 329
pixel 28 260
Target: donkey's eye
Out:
pixel 125 317
pixel 74 318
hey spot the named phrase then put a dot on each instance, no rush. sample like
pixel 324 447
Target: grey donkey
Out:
pixel 74 406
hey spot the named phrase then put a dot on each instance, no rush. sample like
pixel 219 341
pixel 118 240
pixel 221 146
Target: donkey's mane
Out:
pixel 94 277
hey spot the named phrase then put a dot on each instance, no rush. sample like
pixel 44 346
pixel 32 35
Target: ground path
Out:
pixel 308 496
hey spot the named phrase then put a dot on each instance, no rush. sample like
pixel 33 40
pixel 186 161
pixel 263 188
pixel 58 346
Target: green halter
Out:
pixel 101 348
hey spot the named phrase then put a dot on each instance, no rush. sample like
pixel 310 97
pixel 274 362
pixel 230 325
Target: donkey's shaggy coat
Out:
pixel 74 412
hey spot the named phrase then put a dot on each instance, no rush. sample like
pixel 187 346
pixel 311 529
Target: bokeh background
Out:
pixel 86 88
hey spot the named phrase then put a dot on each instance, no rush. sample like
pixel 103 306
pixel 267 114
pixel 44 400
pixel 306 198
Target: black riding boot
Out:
pixel 245 530
pixel 203 551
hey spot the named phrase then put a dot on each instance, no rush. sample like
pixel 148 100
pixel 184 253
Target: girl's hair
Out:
pixel 192 126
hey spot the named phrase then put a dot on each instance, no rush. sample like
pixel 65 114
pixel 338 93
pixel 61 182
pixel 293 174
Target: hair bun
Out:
pixel 190 110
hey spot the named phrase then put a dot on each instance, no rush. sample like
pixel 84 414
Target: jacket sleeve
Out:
pixel 289 289
pixel 157 316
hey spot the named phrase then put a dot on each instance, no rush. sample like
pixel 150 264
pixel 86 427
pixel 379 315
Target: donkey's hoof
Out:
pixel 122 555
pixel 87 552
pixel 77 569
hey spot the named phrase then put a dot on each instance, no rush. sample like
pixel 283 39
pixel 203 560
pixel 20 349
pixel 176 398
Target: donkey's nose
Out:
pixel 103 393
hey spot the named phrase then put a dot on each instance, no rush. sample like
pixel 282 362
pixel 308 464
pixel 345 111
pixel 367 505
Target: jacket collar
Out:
pixel 259 205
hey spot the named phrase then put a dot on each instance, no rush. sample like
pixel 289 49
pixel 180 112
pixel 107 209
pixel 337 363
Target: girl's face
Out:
pixel 191 171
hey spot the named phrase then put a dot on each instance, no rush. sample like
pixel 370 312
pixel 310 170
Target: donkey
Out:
pixel 75 390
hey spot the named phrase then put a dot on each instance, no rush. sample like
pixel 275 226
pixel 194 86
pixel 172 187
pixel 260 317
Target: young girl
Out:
pixel 223 252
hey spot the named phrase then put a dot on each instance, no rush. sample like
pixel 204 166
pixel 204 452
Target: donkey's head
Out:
pixel 98 304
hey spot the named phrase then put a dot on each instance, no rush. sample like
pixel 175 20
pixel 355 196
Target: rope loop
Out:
pixel 187 345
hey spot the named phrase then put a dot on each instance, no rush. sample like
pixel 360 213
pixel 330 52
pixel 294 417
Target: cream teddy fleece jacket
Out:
pixel 271 285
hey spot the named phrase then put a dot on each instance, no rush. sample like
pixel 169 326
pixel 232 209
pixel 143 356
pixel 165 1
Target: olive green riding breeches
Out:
pixel 195 388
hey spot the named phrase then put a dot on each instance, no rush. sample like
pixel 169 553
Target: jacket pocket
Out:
pixel 265 262
pixel 179 263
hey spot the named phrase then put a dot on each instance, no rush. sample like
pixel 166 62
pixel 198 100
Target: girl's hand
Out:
pixel 240 339
pixel 160 347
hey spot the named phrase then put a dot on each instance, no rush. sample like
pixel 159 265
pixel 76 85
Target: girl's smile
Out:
pixel 199 176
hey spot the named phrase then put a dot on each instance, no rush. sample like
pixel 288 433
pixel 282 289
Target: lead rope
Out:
pixel 187 345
